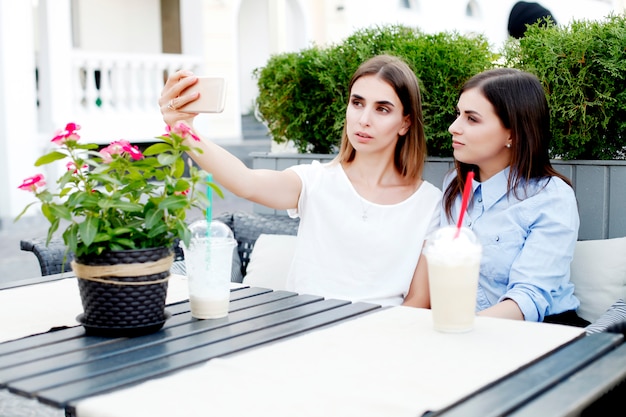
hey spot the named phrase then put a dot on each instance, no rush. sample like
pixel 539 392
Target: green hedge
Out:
pixel 303 97
pixel 583 69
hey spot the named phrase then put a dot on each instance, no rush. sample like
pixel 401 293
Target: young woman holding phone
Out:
pixel 363 216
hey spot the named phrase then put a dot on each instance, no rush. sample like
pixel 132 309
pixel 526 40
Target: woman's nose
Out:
pixel 454 128
pixel 365 117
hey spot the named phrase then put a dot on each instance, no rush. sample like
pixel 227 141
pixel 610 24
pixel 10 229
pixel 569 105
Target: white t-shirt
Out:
pixel 340 254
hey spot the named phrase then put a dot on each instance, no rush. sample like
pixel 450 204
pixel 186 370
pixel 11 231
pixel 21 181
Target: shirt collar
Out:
pixel 494 188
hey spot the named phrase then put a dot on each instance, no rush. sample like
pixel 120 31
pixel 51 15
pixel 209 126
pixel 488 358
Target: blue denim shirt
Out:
pixel 528 244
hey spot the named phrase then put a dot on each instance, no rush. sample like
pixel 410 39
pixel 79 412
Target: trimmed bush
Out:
pixel 303 95
pixel 583 69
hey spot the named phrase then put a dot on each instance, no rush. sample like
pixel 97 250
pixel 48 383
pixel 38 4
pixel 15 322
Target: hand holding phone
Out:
pixel 212 96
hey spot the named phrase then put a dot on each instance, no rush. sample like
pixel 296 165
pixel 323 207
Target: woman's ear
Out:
pixel 405 126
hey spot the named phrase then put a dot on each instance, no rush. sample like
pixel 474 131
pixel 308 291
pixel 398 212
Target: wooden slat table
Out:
pixel 64 366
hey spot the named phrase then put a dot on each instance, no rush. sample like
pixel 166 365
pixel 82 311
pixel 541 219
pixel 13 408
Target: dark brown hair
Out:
pixel 520 103
pixel 410 152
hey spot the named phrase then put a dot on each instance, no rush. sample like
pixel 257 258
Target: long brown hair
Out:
pixel 520 103
pixel 410 151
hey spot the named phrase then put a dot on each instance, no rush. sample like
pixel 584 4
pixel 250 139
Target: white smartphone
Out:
pixel 212 96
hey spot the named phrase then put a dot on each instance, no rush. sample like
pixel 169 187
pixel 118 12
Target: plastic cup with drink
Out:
pixel 453 270
pixel 208 261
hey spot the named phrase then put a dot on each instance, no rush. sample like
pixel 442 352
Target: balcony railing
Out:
pixel 115 95
pixel 123 82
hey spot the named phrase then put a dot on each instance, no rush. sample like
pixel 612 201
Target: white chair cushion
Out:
pixel 599 273
pixel 270 261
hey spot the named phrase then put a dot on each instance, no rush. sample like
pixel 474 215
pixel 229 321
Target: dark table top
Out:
pixel 63 366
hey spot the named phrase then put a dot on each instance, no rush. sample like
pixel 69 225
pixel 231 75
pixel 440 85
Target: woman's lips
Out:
pixel 363 137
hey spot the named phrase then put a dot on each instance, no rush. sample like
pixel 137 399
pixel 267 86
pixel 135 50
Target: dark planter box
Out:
pixel 600 188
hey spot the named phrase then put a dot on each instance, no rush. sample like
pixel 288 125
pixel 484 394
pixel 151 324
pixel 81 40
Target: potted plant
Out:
pixel 123 211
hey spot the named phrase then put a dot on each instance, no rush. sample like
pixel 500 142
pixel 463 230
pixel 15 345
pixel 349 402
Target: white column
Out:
pixel 277 26
pixel 19 146
pixel 55 64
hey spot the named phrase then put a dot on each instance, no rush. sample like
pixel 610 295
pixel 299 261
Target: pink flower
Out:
pixel 61 136
pixel 71 166
pixel 133 151
pixel 33 183
pixel 183 130
pixel 119 147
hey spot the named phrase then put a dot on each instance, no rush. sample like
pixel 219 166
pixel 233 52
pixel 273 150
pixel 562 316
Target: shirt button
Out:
pixel 469 224
pixel 497 238
pixel 480 200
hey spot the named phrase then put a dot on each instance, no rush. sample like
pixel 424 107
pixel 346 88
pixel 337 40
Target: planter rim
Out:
pixel 292 155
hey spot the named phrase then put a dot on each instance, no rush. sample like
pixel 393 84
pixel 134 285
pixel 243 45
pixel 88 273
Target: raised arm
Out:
pixel 276 189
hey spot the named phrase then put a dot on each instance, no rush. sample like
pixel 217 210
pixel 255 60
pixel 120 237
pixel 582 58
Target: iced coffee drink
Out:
pixel 208 259
pixel 453 269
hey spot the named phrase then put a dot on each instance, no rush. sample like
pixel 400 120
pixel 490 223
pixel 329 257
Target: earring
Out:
pixel 508 145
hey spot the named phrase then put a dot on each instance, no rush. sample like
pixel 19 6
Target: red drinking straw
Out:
pixel 466 194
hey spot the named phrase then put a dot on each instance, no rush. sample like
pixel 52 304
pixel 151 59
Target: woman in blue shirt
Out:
pixel 522 210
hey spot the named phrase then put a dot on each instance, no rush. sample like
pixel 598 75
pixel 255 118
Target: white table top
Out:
pixel 34 309
pixel 388 363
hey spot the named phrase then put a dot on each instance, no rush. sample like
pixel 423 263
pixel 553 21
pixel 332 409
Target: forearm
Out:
pixel 506 309
pixel 276 189
pixel 419 291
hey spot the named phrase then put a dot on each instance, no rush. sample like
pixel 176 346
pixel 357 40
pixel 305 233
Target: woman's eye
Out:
pixel 356 103
pixel 383 109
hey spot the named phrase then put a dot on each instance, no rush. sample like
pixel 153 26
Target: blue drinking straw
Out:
pixel 208 216
pixel 209 209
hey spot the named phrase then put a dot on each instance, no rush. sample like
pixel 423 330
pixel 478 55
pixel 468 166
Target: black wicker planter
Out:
pixel 123 292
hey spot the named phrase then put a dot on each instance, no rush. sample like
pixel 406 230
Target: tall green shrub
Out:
pixel 583 69
pixel 303 95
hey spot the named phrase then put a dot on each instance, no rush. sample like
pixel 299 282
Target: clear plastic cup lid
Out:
pixel 217 229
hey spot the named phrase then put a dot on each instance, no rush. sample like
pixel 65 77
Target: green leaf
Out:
pixel 174 203
pixel 217 190
pixel 167 159
pixel 179 168
pixel 58 210
pixel 88 229
pixel 45 210
pixel 153 218
pixel 158 229
pixel 19 216
pixel 51 157
pixel 124 243
pixel 121 230
pixel 157 148
pixel 53 228
pixel 183 231
pixel 70 237
pixel 182 185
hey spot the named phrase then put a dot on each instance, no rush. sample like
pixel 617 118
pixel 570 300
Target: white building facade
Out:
pixel 101 63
